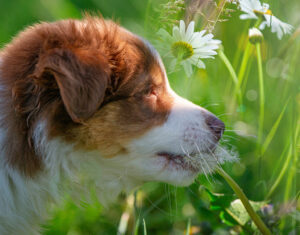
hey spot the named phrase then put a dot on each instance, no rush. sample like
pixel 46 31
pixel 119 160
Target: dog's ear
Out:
pixel 82 79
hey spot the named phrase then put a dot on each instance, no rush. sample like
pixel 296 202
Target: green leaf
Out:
pixel 227 219
pixel 219 201
pixel 238 212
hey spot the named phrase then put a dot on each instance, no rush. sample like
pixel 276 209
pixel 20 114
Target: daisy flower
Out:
pixel 253 9
pixel 255 36
pixel 188 47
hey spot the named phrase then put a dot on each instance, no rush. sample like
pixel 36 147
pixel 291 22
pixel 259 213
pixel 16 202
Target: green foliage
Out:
pixel 79 219
pixel 267 169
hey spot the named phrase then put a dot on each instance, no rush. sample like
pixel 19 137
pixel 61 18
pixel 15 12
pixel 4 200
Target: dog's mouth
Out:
pixel 182 161
pixel 198 161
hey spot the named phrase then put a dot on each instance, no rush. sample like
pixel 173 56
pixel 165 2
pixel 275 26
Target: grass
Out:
pixel 233 75
pixel 261 95
pixel 269 92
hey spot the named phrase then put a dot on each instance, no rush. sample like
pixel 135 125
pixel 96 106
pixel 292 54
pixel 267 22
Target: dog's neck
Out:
pixel 65 163
pixel 23 200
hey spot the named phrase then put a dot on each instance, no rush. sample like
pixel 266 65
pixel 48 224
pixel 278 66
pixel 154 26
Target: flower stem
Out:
pixel 232 74
pixel 261 94
pixel 246 56
pixel 239 192
pixel 244 64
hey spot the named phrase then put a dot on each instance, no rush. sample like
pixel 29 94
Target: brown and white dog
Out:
pixel 88 98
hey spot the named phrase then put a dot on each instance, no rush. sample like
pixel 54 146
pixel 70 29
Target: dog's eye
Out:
pixel 151 94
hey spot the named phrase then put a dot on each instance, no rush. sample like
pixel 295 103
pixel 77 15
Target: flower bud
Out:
pixel 255 36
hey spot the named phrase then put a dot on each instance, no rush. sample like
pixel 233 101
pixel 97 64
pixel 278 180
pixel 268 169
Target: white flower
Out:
pixel 189 47
pixel 277 26
pixel 254 8
pixel 255 36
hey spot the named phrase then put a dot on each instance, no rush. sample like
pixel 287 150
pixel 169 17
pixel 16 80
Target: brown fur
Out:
pixel 96 84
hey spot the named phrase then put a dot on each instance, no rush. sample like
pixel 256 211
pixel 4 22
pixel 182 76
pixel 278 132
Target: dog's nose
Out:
pixel 216 125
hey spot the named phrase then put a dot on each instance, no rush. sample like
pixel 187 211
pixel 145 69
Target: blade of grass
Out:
pixel 136 227
pixel 239 192
pixel 154 205
pixel 145 228
pixel 291 175
pixel 273 130
pixel 293 170
pixel 281 159
pixel 281 174
pixel 232 73
pixel 244 63
pixel 246 76
pixel 188 227
pixel 261 94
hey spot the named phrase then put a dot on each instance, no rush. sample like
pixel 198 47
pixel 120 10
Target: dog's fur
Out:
pixel 86 99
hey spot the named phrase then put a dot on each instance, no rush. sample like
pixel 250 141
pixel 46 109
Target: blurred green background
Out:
pixel 167 209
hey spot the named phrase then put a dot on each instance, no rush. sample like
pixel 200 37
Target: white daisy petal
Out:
pixel 265 6
pixel 200 41
pixel 263 25
pixel 202 32
pixel 194 36
pixel 187 68
pixel 248 16
pixel 205 52
pixel 208 36
pixel 190 30
pixel 199 63
pixel 176 33
pixel 182 29
pixel 248 7
pixel 208 48
pixel 277 26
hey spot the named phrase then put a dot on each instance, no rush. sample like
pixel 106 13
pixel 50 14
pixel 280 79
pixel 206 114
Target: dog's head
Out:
pixel 103 90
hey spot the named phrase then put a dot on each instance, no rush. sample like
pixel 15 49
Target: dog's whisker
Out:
pixel 202 158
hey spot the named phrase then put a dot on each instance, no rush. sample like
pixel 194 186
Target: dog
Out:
pixel 88 100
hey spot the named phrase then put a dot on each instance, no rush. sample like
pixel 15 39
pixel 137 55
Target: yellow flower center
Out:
pixel 182 50
pixel 267 12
